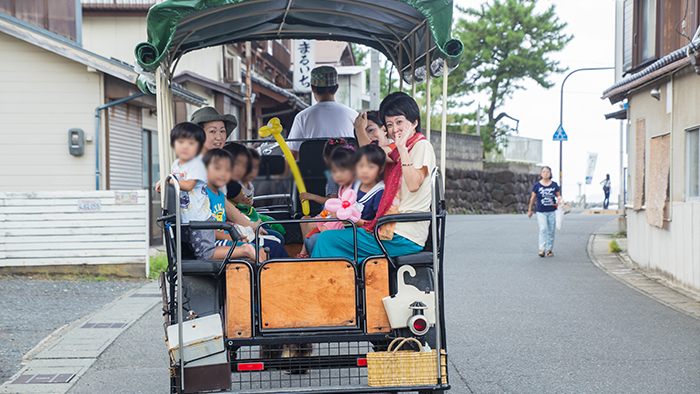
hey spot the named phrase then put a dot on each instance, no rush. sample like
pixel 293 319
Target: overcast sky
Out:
pixel 592 22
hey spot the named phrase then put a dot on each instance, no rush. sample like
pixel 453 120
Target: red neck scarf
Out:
pixel 393 178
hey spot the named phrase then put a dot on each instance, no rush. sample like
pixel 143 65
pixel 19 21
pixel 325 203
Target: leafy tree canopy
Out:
pixel 506 43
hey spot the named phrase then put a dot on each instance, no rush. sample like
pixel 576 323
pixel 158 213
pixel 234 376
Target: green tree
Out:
pixel 506 43
pixel 359 52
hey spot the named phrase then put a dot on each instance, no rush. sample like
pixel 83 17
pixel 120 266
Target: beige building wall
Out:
pixel 207 62
pixel 44 95
pixel 674 250
pixel 201 92
pixel 114 36
pixel 118 36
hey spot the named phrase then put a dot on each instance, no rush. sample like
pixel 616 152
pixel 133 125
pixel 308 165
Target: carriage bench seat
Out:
pixel 201 267
pixel 191 266
pixel 424 258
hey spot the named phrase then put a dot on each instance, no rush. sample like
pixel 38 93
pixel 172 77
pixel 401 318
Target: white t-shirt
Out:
pixel 422 155
pixel 326 119
pixel 250 193
pixel 194 204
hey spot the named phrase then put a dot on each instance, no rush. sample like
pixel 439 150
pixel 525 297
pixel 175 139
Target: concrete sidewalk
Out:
pixel 59 361
pixel 622 268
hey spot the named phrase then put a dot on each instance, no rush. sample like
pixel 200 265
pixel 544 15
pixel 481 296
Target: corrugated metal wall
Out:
pixel 124 148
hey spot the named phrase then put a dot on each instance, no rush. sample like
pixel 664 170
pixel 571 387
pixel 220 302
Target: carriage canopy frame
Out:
pixel 410 33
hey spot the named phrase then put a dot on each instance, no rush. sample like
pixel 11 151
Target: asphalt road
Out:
pixel 33 308
pixel 517 323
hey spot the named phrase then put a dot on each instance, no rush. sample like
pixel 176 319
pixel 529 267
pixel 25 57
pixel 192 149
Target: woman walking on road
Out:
pixel 547 194
pixel 606 189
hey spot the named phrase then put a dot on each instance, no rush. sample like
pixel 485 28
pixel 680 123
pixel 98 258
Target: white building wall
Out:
pixel 43 95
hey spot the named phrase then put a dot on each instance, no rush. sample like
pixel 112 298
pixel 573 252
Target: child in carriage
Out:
pixel 219 164
pixel 187 140
pixel 331 185
pixel 242 167
pixel 361 172
pixel 247 186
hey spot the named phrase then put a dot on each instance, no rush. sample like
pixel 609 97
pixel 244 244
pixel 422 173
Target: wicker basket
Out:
pixel 404 368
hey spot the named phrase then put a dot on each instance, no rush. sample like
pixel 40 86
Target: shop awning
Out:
pixel 400 29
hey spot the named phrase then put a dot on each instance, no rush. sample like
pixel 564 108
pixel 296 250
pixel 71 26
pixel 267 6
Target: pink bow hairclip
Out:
pixel 344 207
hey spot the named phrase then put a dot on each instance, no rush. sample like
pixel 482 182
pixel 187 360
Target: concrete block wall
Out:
pixel 464 152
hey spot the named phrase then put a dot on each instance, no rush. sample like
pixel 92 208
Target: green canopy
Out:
pixel 397 28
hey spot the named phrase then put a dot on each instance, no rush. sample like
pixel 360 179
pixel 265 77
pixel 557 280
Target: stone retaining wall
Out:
pixel 500 188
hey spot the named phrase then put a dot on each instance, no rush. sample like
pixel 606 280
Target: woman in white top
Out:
pixel 407 187
pixel 606 190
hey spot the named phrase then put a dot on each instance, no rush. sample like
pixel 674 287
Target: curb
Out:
pixel 626 272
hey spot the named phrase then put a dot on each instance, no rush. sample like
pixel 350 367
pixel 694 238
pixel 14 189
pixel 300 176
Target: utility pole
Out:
pixel 478 119
pixel 561 119
pixel 374 80
pixel 248 93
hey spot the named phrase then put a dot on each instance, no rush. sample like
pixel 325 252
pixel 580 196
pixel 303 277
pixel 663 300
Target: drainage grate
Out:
pixel 103 325
pixel 44 378
pixel 145 295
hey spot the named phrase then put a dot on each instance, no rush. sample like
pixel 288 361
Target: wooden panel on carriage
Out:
pixel 376 288
pixel 307 294
pixel 238 302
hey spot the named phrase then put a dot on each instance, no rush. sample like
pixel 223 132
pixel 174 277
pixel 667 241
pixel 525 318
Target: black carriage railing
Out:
pixel 330 359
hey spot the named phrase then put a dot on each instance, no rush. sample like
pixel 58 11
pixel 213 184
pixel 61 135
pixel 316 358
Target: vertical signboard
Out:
pixel 590 167
pixel 304 62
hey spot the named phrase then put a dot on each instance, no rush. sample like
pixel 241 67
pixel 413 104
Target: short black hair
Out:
pixel 216 154
pixel 343 157
pixel 375 155
pixel 334 143
pixel 254 153
pixel 400 103
pixel 373 116
pixel 324 89
pixel 188 130
pixel 236 149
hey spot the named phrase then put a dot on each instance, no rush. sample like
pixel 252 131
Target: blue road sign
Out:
pixel 560 134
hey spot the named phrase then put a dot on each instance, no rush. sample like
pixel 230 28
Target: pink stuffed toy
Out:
pixel 344 207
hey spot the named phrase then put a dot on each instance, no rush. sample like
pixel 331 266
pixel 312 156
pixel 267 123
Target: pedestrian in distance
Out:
pixel 547 194
pixel 606 189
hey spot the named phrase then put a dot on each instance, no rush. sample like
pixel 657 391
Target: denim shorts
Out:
pixel 202 242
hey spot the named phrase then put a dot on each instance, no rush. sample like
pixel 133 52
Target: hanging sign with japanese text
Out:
pixel 590 167
pixel 304 62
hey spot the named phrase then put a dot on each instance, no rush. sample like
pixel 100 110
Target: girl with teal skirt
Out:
pixel 410 160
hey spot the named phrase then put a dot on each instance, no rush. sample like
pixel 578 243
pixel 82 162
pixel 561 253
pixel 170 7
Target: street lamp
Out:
pixel 561 118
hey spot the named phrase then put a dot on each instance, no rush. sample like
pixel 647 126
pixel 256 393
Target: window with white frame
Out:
pixel 692 165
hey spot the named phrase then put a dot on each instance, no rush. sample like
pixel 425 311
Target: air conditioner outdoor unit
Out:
pixel 233 70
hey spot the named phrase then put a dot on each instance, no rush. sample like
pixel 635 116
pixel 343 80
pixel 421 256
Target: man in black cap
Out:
pixel 326 118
